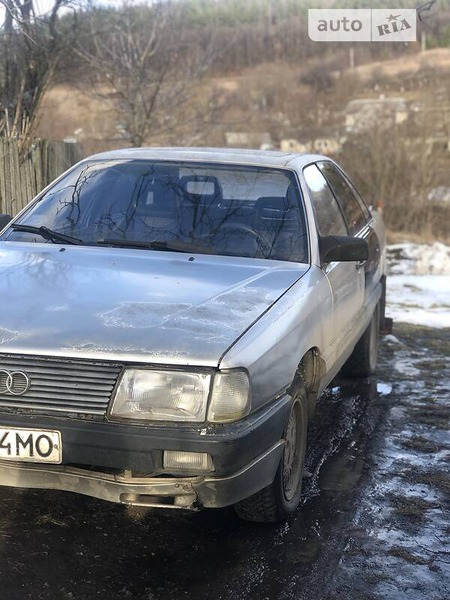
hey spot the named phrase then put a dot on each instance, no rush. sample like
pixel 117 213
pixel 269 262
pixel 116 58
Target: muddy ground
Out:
pixel 373 524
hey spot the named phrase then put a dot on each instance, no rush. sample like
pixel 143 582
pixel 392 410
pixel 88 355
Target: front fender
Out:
pixel 271 350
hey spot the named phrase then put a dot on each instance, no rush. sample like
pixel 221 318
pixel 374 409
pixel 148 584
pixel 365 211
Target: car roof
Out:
pixel 267 158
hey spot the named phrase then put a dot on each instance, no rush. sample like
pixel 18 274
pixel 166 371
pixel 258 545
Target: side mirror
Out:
pixel 342 248
pixel 4 220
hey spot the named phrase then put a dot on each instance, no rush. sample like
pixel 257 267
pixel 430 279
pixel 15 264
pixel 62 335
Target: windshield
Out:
pixel 222 209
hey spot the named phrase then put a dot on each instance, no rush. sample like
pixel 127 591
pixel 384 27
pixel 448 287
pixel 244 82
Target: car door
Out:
pixel 346 279
pixel 359 220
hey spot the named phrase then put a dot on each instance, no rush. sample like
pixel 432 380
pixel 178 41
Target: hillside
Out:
pixel 401 105
pixel 277 90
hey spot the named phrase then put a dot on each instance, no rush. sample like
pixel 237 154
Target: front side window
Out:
pixel 326 210
pixel 350 204
pixel 216 209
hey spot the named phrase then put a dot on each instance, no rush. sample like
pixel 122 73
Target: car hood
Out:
pixel 132 305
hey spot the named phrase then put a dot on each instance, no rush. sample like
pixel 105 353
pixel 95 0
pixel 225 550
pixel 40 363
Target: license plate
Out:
pixel 30 445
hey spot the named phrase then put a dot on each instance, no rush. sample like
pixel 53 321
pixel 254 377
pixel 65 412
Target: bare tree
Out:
pixel 395 167
pixel 147 69
pixel 30 48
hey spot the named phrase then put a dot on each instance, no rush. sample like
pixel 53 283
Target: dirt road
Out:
pixel 373 524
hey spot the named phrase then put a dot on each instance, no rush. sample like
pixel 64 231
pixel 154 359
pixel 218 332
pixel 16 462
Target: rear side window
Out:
pixel 327 212
pixel 355 211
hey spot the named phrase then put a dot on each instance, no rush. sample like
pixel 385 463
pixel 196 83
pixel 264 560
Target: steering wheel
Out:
pixel 240 228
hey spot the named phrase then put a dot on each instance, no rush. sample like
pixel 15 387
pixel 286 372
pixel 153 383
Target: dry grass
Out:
pixel 437 416
pixel 418 443
pixel 413 508
pixel 67 112
pixel 438 479
pixel 399 552
pixel 438 58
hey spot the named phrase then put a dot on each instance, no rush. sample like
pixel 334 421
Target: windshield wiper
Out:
pixel 173 246
pixel 47 234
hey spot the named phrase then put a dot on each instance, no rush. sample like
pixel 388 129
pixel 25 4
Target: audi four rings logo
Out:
pixel 15 383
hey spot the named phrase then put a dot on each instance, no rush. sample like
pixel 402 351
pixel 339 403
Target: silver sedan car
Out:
pixel 170 318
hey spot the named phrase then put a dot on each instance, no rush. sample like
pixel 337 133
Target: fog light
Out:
pixel 173 460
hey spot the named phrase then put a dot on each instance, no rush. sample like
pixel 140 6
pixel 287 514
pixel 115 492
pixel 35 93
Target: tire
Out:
pixel 363 360
pixel 281 498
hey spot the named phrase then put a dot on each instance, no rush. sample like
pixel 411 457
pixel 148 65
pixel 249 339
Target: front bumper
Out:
pixel 161 492
pixel 111 461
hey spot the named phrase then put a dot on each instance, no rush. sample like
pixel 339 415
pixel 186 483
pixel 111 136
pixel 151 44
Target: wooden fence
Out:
pixel 22 178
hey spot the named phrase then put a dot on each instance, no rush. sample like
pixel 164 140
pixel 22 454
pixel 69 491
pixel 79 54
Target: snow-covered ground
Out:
pixel 418 289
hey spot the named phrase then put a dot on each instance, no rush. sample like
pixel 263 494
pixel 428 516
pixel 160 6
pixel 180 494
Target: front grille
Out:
pixel 57 385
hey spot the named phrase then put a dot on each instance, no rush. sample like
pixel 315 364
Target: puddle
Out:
pixel 341 472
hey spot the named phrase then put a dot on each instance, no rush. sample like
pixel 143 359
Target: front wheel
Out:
pixel 281 498
pixel 363 360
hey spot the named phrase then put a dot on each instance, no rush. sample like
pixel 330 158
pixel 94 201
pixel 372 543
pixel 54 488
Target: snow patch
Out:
pixel 419 299
pixel 418 259
pixel 418 285
pixel 384 389
pixel 391 339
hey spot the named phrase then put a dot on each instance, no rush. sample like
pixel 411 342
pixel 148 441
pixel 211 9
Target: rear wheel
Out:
pixel 363 360
pixel 281 498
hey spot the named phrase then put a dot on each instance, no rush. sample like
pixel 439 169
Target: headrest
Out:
pixel 197 187
pixel 273 208
pixel 157 197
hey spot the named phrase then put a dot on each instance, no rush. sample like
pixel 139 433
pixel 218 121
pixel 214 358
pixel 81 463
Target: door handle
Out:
pixel 360 264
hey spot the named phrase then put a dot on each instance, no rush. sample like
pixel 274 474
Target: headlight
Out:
pixel 230 397
pixel 161 396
